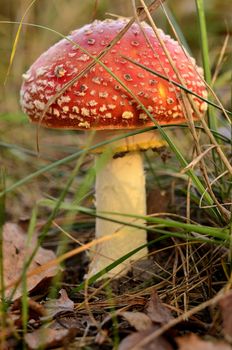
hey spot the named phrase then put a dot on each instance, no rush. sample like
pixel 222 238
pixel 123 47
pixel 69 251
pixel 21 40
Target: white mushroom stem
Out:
pixel 120 188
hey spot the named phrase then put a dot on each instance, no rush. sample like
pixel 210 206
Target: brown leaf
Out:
pixel 193 342
pixel 138 320
pixel 157 311
pixel 15 252
pixel 45 338
pixel 35 312
pixel 226 309
pixel 159 343
pixel 101 336
pixel 54 307
pixel 63 313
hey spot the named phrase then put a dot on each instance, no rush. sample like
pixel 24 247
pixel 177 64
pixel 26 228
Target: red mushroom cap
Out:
pixel 96 100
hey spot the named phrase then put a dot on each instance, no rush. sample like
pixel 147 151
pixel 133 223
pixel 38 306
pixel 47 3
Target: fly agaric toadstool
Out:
pixel 96 101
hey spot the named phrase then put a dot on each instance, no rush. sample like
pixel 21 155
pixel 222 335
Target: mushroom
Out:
pixel 96 101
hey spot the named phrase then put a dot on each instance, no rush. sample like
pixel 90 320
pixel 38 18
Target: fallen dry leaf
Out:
pixel 45 338
pixel 62 330
pixel 146 324
pixel 226 309
pixel 101 336
pixel 35 312
pixel 138 320
pixel 157 311
pixel 15 252
pixel 54 307
pixel 193 342
pixel 132 341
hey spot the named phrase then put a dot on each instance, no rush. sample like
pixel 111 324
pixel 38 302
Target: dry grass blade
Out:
pixel 151 8
pixel 197 159
pixel 16 251
pixel 192 102
pixel 209 188
pixel 182 87
pixel 220 58
pixel 12 56
pixel 142 15
pixel 189 247
pixel 63 257
pixel 220 105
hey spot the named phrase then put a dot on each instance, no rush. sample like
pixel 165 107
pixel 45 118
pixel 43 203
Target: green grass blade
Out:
pixel 171 18
pixel 114 264
pixel 66 160
pixel 164 235
pixel 221 233
pixel 213 211
pixel 152 71
pixel 30 233
pixel 212 121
